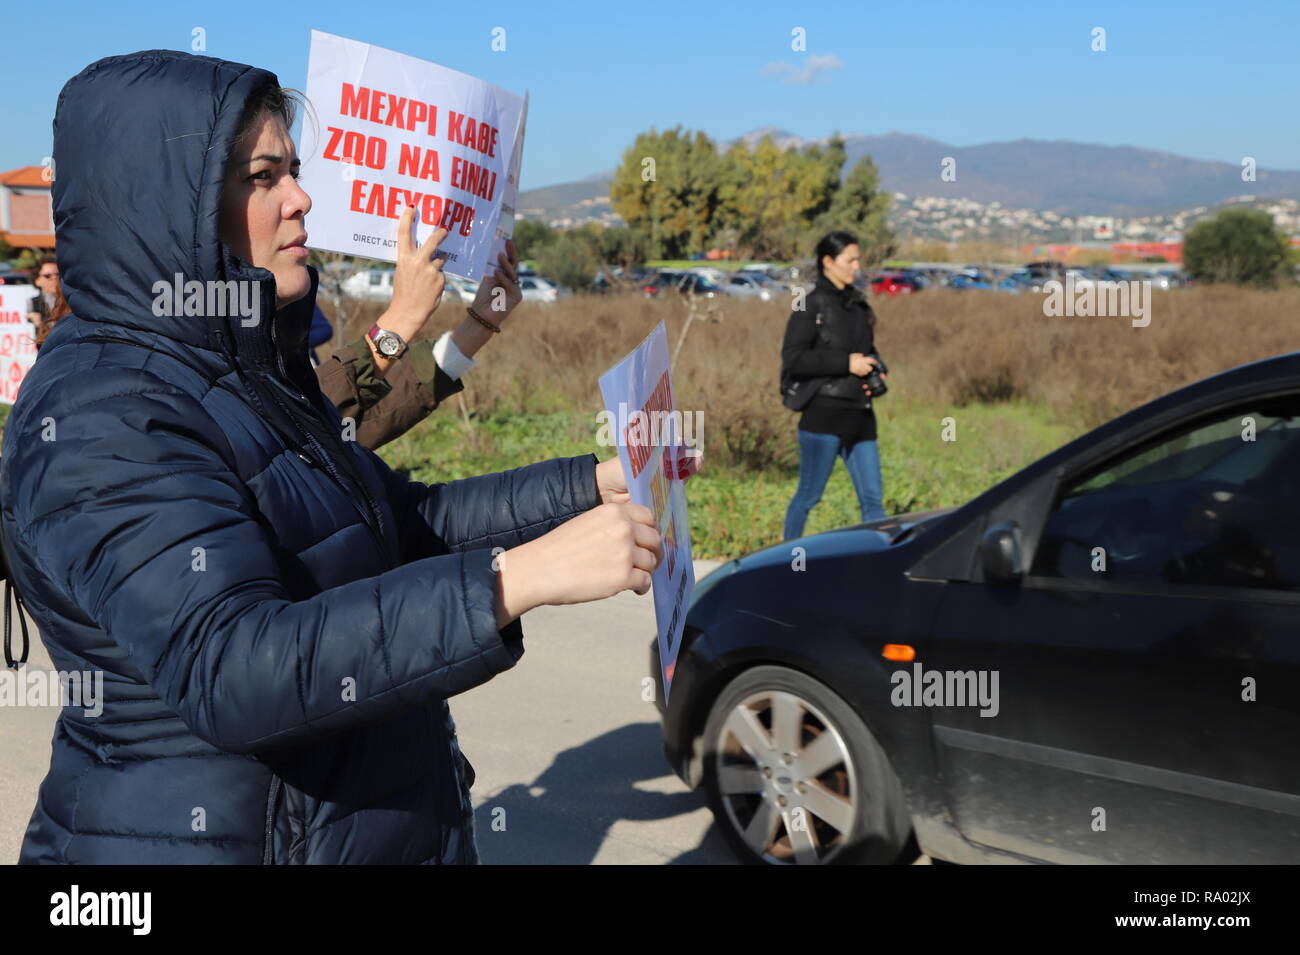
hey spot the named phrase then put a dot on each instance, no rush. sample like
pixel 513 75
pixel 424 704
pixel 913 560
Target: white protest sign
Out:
pixel 17 339
pixel 647 428
pixel 395 131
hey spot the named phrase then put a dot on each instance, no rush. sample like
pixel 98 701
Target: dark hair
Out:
pixel 270 100
pixel 44 260
pixel 832 244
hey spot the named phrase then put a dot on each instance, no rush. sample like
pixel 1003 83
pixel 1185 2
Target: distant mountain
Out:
pixel 1058 176
pixel 1064 177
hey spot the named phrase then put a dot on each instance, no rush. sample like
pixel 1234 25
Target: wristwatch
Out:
pixel 389 344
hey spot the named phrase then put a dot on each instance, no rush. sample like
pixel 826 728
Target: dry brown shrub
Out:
pixel 948 347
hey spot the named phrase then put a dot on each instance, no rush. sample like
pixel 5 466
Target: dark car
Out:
pixel 660 281
pixel 15 277
pixel 1097 660
pixel 1048 270
pixel 685 283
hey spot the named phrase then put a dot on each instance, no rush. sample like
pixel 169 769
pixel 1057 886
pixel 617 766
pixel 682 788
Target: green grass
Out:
pixel 733 511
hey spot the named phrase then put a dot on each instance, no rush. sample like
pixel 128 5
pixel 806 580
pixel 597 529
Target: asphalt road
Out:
pixel 566 753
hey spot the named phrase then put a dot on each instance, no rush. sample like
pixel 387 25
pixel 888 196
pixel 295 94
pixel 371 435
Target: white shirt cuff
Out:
pixel 449 357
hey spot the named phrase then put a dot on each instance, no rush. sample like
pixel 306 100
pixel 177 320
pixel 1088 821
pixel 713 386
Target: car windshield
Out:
pixel 1214 452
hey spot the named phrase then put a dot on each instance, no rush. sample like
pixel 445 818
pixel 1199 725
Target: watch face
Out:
pixel 388 345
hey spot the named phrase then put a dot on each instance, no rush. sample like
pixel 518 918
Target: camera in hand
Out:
pixel 875 381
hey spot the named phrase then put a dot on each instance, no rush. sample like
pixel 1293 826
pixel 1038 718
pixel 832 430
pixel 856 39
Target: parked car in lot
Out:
pixel 778 280
pixel 463 288
pixel 1162 280
pixel 535 288
pixel 376 285
pixel 663 280
pixel 894 283
pixel 715 275
pixel 1131 602
pixel 684 283
pixel 963 280
pixel 637 274
pixel 1047 270
pixel 750 285
pixel 372 284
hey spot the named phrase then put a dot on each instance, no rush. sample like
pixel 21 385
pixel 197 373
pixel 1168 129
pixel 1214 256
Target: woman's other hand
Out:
pixel 495 305
pixel 611 483
pixel 419 282
pixel 609 549
pixel 860 364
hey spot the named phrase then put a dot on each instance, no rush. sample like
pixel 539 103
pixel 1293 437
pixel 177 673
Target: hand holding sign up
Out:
pixel 419 282
pixel 495 305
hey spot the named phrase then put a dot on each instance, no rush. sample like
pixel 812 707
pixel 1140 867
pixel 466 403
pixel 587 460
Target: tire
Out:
pixel 775 810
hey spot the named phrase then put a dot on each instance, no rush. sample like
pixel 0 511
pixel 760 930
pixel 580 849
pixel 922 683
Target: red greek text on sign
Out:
pixel 388 109
pixel 638 435
pixel 376 199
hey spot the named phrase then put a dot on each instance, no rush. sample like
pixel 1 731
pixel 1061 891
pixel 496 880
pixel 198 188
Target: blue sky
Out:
pixel 1201 79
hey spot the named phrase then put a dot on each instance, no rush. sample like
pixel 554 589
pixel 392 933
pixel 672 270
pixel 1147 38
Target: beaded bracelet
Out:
pixel 481 320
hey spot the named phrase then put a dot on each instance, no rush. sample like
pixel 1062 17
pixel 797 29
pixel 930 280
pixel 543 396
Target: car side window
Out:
pixel 1211 505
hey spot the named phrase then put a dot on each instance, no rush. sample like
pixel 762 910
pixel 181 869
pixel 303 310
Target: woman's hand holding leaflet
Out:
pixel 609 549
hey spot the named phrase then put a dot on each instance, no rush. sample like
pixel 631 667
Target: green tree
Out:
pixel 530 236
pixel 860 207
pixel 570 259
pixel 772 197
pixel 620 245
pixel 1237 245
pixel 666 188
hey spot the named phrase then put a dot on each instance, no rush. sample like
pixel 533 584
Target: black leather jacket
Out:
pixel 834 324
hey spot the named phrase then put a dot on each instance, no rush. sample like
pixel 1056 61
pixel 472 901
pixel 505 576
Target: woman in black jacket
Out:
pixel 278 617
pixel 830 343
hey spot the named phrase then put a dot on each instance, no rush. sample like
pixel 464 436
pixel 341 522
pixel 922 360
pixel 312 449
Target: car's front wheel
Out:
pixel 793 775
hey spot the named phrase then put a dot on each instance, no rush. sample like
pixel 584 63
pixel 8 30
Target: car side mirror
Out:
pixel 1000 553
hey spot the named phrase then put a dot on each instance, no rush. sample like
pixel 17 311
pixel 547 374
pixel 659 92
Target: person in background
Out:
pixel 57 311
pixel 385 396
pixel 319 333
pixel 43 305
pixel 832 338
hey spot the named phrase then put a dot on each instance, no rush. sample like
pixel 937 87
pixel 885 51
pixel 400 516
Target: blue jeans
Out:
pixel 817 453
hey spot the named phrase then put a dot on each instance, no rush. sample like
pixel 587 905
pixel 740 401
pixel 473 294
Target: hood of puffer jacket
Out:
pixel 141 143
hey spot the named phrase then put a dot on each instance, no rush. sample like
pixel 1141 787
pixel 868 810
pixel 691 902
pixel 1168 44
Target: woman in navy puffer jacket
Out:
pixel 278 617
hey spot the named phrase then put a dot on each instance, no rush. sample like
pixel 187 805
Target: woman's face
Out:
pixel 264 210
pixel 842 269
pixel 47 279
